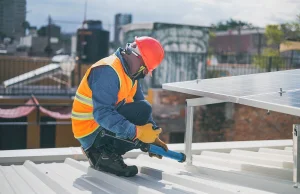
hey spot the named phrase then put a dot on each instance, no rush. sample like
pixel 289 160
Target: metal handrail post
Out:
pixel 188 141
pixel 296 155
pixel 189 134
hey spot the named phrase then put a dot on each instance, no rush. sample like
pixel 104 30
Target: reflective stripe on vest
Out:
pixel 83 99
pixel 82 116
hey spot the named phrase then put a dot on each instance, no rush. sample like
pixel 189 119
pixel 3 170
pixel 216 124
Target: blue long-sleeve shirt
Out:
pixel 104 83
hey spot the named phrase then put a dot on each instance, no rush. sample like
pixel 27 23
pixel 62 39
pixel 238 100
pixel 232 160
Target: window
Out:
pixel 13 137
pixel 47 136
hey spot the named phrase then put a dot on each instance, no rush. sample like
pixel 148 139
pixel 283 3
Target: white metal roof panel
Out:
pixel 60 154
pixel 59 58
pixel 32 75
pixel 228 169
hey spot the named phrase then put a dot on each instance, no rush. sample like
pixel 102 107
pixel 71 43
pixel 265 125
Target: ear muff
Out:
pixel 128 49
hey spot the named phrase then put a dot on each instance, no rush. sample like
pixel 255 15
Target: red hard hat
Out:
pixel 151 51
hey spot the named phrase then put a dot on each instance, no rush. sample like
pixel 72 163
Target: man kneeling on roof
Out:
pixel 110 98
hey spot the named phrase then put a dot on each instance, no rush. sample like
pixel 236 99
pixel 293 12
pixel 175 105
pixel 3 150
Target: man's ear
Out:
pixel 133 45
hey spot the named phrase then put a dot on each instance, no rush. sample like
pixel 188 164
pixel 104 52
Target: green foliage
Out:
pixel 212 36
pixel 231 25
pixel 26 25
pixel 277 34
pixel 291 31
pixel 269 60
pixel 216 73
pixel 213 118
pixel 274 35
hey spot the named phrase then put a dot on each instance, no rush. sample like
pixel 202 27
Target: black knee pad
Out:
pixel 147 107
pixel 147 111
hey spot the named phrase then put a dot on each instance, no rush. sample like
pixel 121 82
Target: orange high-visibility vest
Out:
pixel 83 122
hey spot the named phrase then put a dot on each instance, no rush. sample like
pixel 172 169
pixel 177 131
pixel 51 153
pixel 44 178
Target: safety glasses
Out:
pixel 142 68
pixel 137 55
pixel 134 50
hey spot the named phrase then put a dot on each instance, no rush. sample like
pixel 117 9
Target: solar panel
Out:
pixel 34 75
pixel 278 91
pixel 286 102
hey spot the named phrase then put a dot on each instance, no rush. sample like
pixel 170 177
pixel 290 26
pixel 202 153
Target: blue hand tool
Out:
pixel 154 149
pixel 180 157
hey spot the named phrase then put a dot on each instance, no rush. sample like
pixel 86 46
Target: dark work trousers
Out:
pixel 137 113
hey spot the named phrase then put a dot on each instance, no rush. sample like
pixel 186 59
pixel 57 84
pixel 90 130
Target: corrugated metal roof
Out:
pixel 236 167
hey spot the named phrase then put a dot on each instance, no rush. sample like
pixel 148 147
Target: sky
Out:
pixel 194 12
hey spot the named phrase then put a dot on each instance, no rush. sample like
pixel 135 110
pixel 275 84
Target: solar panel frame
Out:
pixel 252 90
pixel 276 91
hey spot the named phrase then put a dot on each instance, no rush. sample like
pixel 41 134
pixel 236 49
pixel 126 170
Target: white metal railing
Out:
pixel 296 155
pixel 191 103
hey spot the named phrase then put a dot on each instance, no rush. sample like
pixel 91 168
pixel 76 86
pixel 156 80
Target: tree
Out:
pixel 231 25
pixel 42 31
pixel 292 30
pixel 269 59
pixel 25 26
pixel 212 36
pixel 281 33
pixel 271 55
pixel 275 35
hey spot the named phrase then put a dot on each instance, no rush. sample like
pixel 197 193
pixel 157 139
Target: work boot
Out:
pixel 91 157
pixel 107 161
pixel 113 163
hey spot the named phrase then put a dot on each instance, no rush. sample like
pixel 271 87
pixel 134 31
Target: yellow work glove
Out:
pixel 159 143
pixel 146 133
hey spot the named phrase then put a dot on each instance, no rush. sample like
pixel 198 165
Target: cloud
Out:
pixel 196 12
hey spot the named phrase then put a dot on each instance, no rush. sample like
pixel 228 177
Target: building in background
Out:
pixel 291 50
pixel 234 42
pixel 92 42
pixel 12 18
pixel 185 50
pixel 36 42
pixel 32 45
pixel 32 30
pixel 120 19
pixel 51 30
pixel 49 82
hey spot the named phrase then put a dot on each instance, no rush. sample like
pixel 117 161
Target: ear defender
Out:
pixel 128 49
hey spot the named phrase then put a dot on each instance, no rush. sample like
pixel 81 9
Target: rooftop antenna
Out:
pixel 84 16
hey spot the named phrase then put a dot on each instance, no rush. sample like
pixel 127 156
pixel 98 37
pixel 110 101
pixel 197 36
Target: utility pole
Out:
pixel 81 43
pixel 238 42
pixel 259 41
pixel 48 47
pixel 259 44
pixel 84 16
